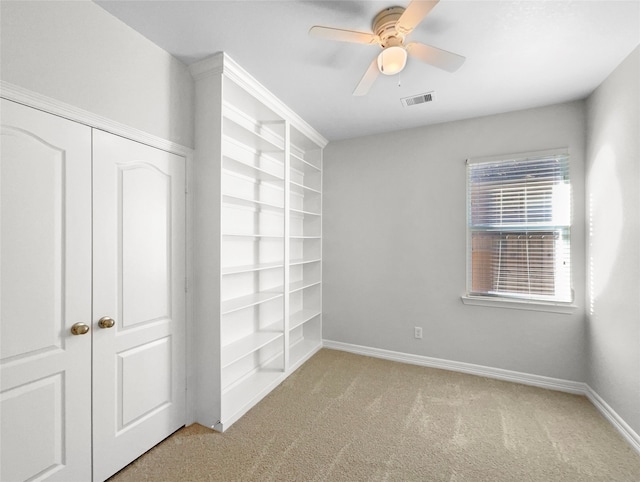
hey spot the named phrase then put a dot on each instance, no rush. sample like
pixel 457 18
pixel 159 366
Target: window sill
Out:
pixel 566 308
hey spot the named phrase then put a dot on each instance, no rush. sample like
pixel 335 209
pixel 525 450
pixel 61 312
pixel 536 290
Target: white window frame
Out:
pixel 513 301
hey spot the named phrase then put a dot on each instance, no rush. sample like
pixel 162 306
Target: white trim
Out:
pixel 462 367
pixel 532 305
pixel 614 419
pixel 304 359
pixel 52 106
pixel 558 384
pixel 221 63
pixel 521 156
pixel 190 332
pixel 237 415
pixel 212 65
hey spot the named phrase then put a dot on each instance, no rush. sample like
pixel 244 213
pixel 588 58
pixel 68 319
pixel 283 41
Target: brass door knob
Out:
pixel 106 322
pixel 79 329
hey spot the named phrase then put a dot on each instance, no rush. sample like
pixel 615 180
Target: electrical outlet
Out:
pixel 417 332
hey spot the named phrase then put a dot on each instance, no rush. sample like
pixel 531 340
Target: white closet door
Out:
pixel 139 282
pixel 45 288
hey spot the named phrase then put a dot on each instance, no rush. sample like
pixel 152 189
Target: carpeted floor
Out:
pixel 346 417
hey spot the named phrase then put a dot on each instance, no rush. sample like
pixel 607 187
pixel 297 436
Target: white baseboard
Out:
pixel 614 419
pixel 550 383
pixel 483 371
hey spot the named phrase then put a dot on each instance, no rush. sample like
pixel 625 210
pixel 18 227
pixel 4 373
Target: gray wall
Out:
pixel 613 196
pixel 78 53
pixel 394 251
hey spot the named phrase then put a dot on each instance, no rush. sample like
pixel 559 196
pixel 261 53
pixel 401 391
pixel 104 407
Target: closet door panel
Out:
pixel 45 288
pixel 146 241
pixel 139 282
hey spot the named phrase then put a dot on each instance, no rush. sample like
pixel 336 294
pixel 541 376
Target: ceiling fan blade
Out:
pixel 341 35
pixel 413 15
pixel 434 56
pixel 368 79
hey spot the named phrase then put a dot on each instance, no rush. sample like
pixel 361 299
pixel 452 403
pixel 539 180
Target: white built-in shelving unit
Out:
pixel 258 241
pixel 305 246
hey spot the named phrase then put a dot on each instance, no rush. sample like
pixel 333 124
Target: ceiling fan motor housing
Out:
pixel 384 26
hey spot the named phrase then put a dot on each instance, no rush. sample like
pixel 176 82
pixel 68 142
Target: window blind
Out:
pixel 519 220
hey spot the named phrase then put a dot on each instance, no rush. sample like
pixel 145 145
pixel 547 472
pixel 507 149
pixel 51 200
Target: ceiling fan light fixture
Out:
pixel 392 60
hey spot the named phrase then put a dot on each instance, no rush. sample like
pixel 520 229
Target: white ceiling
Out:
pixel 520 54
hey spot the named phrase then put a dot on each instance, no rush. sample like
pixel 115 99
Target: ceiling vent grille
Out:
pixel 418 99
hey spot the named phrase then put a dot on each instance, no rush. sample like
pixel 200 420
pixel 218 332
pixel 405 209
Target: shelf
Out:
pixel 252 235
pixel 250 267
pixel 296 262
pixel 301 317
pixel 297 188
pixel 302 236
pixel 243 129
pixel 302 213
pixel 237 166
pixel 249 344
pixel 250 203
pixel 253 299
pixel 301 285
pixel 300 164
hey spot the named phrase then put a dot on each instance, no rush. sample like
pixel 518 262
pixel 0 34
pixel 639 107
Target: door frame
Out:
pixel 53 106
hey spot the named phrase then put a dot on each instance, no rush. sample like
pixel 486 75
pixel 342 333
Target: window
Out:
pixel 519 227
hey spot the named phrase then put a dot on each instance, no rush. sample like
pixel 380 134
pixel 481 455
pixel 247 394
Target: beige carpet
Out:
pixel 346 417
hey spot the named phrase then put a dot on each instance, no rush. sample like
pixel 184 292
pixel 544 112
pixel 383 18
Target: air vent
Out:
pixel 418 99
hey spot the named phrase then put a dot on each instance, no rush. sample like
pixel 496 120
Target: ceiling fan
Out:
pixel 390 28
